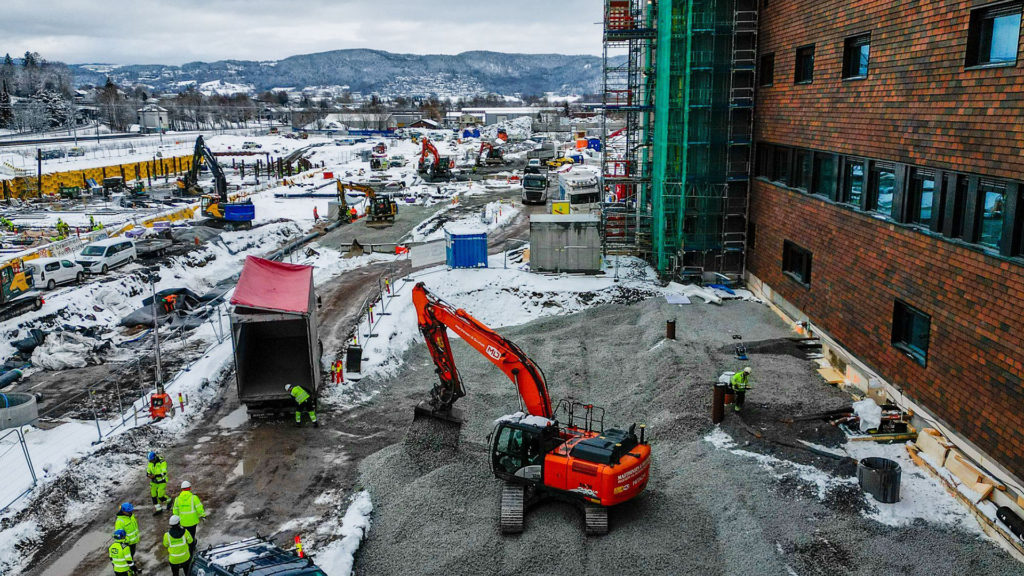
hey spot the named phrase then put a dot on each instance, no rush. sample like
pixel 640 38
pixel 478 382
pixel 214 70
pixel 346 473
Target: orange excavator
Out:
pixel 494 154
pixel 537 456
pixel 441 166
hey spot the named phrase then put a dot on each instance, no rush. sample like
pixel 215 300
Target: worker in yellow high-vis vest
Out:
pixel 121 554
pixel 179 544
pixel 189 509
pixel 305 402
pixel 126 521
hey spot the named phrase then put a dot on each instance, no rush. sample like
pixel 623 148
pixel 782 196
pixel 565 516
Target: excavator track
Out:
pixel 596 519
pixel 512 496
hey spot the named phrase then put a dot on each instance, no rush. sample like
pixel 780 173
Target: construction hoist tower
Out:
pixel 679 101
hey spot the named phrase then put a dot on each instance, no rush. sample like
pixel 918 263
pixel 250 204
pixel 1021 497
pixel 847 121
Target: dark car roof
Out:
pixel 255 557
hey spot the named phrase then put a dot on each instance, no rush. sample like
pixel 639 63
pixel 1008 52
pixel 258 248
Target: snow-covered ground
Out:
pixel 99 306
pixel 922 497
pixel 496 296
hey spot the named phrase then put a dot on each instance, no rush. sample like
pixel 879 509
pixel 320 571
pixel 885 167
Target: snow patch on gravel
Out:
pixel 338 557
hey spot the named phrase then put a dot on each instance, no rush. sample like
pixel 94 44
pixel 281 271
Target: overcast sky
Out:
pixel 178 31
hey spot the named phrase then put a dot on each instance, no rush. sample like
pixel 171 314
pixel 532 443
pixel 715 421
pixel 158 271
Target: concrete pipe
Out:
pixel 17 409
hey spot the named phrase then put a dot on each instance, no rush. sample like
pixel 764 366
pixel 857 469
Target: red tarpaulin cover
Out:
pixel 276 286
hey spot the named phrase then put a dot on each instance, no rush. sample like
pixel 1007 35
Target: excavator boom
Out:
pixel 435 317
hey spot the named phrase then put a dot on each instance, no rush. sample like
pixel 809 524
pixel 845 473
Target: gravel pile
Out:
pixel 706 510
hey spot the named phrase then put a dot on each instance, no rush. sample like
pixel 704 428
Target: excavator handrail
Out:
pixel 435 317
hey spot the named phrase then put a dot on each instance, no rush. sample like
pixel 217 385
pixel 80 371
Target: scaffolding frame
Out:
pixel 682 158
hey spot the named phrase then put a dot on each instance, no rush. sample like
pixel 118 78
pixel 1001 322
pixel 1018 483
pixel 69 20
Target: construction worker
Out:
pixel 338 371
pixel 316 215
pixel 170 302
pixel 159 404
pixel 301 398
pixel 189 509
pixel 156 470
pixel 126 521
pixel 740 384
pixel 179 544
pixel 121 554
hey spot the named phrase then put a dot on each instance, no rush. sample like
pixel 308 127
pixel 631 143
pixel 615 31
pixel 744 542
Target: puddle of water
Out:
pixel 67 563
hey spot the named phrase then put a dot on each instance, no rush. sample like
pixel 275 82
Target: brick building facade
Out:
pixel 888 200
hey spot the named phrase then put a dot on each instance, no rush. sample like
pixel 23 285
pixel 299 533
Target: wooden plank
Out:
pixel 932 443
pixel 831 375
pixel 967 474
pixel 984 490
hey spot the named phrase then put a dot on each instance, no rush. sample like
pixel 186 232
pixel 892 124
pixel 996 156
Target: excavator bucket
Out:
pixel 433 437
pixel 424 411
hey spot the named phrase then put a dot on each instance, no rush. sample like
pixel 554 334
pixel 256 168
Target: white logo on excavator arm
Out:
pixel 493 352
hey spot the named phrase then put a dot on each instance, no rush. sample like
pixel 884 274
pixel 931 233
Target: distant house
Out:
pixel 462 120
pixel 152 118
pixel 496 115
pixel 407 119
pixel 365 120
pixel 426 123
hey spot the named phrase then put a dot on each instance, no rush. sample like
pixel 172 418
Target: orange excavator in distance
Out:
pixel 438 169
pixel 537 456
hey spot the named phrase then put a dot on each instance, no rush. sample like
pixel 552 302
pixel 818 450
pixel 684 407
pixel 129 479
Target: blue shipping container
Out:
pixel 466 250
pixel 594 144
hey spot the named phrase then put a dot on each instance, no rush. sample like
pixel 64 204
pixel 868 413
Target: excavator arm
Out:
pixel 203 153
pixel 435 317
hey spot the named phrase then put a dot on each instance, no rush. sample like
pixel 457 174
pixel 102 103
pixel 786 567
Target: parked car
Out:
pixel 251 146
pixel 99 257
pixel 50 272
pixel 252 557
pixel 398 160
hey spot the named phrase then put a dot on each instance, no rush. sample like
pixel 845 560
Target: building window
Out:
pixel 802 176
pixel 824 175
pixel 993 35
pixel 853 182
pixel 856 53
pixel 910 331
pixel 920 199
pixel 764 160
pixel 882 188
pixel 796 263
pixel 780 165
pixel 804 65
pixel 767 69
pixel 993 201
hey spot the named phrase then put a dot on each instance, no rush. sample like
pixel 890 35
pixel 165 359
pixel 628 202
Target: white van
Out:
pixel 50 272
pixel 98 257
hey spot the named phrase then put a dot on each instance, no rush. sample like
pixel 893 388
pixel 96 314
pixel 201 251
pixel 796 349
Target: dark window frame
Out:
pixel 797 177
pixel 976 34
pixel 766 70
pixel 873 189
pixel 798 70
pixel 847 179
pixel 797 263
pixel 852 49
pixel 904 325
pixel 915 199
pixel 958 200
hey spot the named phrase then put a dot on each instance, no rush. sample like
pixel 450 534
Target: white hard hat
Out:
pixel 747 369
pixel 287 387
pixel 186 485
pixel 175 520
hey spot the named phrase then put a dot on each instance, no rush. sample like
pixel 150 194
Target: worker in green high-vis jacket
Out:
pixel 740 383
pixel 305 402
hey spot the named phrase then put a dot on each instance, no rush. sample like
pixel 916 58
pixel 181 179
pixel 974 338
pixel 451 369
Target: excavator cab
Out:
pixel 518 449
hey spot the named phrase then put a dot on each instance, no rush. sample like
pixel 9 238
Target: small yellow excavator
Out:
pixel 381 210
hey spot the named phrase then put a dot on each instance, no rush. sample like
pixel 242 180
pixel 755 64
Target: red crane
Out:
pixel 533 453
